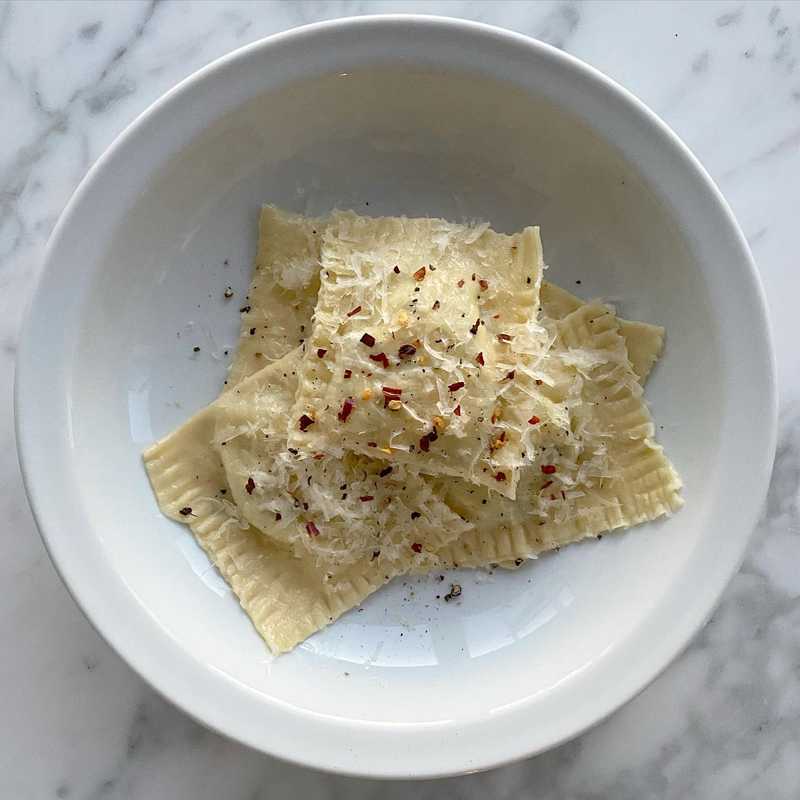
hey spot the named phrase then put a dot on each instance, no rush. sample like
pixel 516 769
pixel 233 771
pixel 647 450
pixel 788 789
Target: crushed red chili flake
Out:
pixel 548 469
pixel 312 529
pixel 354 311
pixel 385 471
pixel 510 375
pixel 278 516
pixel 545 485
pixel 436 305
pixel 406 351
pixel 348 373
pixel 365 498
pixel 454 387
pixel 250 485
pixel 381 358
pixel 483 284
pixel 184 512
pixel 419 275
pixel 415 515
pixel 424 444
pixel 474 329
pixel 321 352
pixel 538 382
pixel 372 444
pixel 346 409
pixel 534 420
pixel 457 410
pixel 319 456
pixel 368 339
pixel 500 476
pixel 460 284
pixel 504 337
pixel 391 390
pixel 416 547
pixel 252 331
pixel 479 359
pixel 305 422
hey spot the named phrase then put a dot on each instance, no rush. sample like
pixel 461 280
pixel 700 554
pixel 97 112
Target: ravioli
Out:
pixel 296 573
pixel 417 325
pixel 338 512
pixel 408 395
pixel 605 474
pixel 276 314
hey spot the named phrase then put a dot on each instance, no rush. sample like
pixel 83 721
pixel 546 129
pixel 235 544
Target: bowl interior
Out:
pixel 485 125
pixel 386 142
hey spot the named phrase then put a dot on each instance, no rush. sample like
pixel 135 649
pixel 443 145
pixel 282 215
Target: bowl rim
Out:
pixel 385 759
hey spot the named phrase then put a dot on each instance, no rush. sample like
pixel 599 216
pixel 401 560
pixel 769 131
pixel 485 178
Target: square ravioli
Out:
pixel 419 323
pixel 603 470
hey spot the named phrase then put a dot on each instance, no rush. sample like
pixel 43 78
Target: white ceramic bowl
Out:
pixel 405 115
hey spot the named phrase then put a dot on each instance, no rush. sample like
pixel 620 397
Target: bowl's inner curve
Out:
pixel 392 143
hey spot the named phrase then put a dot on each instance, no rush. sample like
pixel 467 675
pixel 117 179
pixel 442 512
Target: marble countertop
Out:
pixel 721 722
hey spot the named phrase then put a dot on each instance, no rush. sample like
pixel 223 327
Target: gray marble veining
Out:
pixel 721 722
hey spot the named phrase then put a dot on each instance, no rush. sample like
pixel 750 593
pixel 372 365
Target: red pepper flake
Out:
pixel 454 387
pixel 460 284
pixel 250 485
pixel 252 331
pixel 538 382
pixel 510 375
pixel 479 359
pixel 389 394
pixel 500 476
pixel 504 337
pixel 548 469
pixel 372 444
pixel 545 485
pixel 278 516
pixel 419 275
pixel 406 351
pixel 436 305
pixel 483 284
pixel 348 373
pixel 381 358
pixel 368 339
pixel 354 311
pixel 312 529
pixel 305 422
pixel 396 270
pixel 184 512
pixel 321 352
pixel 347 408
pixel 474 329
pixel 385 471
pixel 319 456
pixel 424 444
pixel 365 498
pixel 457 410
pixel 534 420
pixel 416 547
pixel 415 515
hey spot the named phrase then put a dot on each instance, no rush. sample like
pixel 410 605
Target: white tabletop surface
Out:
pixel 721 722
